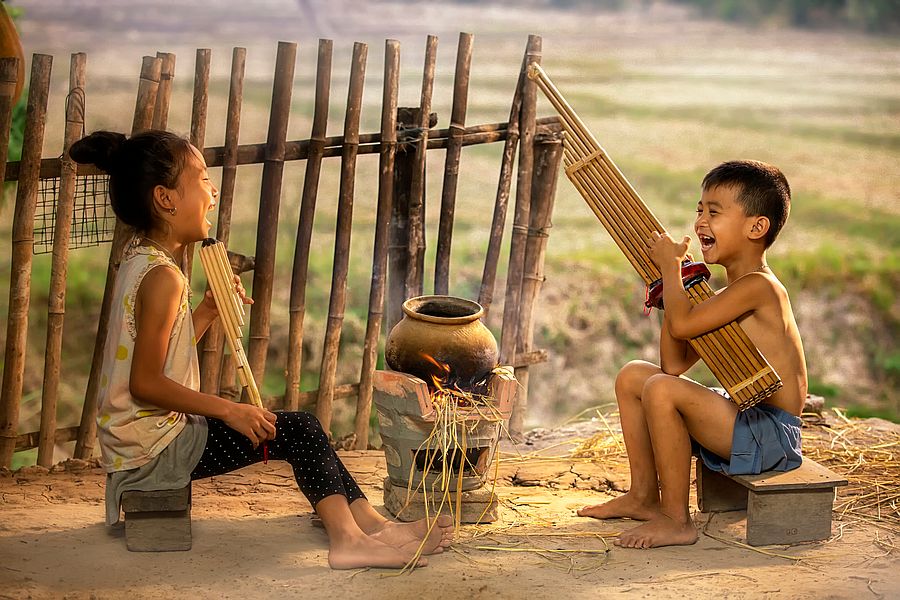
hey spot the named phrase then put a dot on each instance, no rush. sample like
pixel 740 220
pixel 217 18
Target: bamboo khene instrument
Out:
pixel 231 310
pixel 727 351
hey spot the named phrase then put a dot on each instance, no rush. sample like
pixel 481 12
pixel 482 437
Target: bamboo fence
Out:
pixel 398 260
pixel 727 351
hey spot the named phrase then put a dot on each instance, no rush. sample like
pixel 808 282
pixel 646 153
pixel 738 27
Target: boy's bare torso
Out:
pixel 773 329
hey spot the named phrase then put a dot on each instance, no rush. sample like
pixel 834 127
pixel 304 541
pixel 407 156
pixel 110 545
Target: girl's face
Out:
pixel 195 196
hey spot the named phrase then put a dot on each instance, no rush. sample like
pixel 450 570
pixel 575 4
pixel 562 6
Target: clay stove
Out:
pixel 441 410
pixel 416 474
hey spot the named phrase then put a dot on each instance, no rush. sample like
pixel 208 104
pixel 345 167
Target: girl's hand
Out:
pixel 210 303
pixel 664 250
pixel 257 424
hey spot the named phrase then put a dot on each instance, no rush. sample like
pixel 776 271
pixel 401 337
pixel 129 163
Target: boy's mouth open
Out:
pixel 706 242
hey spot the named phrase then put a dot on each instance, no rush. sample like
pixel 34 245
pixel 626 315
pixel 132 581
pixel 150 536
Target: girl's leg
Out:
pixel 320 475
pixel 437 533
pixel 642 499
pixel 676 409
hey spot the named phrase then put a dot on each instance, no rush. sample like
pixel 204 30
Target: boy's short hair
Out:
pixel 764 191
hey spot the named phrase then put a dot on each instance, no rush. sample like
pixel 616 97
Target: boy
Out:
pixel 742 208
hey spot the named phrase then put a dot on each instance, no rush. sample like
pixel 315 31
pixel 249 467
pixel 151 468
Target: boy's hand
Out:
pixel 665 251
pixel 257 424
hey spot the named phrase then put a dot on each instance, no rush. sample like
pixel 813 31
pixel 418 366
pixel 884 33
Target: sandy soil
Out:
pixel 253 535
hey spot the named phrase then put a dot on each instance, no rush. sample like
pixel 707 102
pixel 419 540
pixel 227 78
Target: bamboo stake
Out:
pixel 416 244
pixel 548 154
pixel 379 253
pixel 398 258
pixel 522 211
pixel 20 269
pixel 338 299
pixel 300 270
pixel 164 91
pixel 198 130
pixel 212 352
pixel 143 115
pixel 501 201
pixel 56 310
pixel 269 203
pixel 9 70
pixel 451 164
pixel 728 351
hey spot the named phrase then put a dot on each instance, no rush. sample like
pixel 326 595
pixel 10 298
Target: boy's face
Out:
pixel 721 225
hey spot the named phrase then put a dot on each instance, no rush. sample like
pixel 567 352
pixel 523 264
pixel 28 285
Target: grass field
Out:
pixel 668 97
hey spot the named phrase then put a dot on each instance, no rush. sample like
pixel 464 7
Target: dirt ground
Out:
pixel 253 535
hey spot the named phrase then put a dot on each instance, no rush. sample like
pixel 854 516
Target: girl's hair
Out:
pixel 135 166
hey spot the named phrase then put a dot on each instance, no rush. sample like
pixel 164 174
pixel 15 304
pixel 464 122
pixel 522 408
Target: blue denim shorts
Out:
pixel 766 438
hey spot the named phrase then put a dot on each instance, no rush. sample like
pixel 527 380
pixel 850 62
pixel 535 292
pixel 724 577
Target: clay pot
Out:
pixel 448 330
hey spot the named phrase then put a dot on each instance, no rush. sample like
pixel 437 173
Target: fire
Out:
pixel 445 388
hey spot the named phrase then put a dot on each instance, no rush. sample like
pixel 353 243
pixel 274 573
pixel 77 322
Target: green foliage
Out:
pixel 865 15
pixel 819 388
pixel 866 412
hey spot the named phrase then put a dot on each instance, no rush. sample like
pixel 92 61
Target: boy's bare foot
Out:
pixel 626 505
pixel 660 531
pixel 410 535
pixel 363 551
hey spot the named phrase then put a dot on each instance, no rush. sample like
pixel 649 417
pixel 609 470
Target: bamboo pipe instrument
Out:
pixel 231 310
pixel 727 351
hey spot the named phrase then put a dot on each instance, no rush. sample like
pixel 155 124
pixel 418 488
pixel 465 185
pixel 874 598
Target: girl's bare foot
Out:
pixel 627 505
pixel 356 552
pixel 660 531
pixel 411 535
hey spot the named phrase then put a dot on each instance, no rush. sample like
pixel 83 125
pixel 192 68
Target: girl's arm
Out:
pixel 675 355
pixel 156 309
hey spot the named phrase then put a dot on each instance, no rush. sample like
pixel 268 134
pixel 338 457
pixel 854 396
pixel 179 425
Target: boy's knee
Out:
pixel 635 374
pixel 657 391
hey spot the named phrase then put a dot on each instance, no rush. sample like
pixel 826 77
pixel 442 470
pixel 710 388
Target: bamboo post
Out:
pixel 57 302
pixel 501 201
pixel 416 244
pixel 269 203
pixel 213 354
pixel 198 126
pixel 398 257
pixel 522 212
pixel 297 308
pixel 20 269
pixel 547 158
pixel 338 299
pixel 143 119
pixel 9 73
pixel 451 165
pixel 379 253
pixel 164 91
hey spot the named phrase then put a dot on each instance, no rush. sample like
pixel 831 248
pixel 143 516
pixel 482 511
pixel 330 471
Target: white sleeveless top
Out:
pixel 132 432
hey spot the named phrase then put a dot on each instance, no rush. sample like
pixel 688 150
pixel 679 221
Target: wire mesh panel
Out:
pixel 93 221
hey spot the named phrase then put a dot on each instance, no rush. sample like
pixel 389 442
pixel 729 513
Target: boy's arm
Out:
pixel 688 320
pixel 675 356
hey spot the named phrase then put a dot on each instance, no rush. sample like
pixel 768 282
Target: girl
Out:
pixel 156 429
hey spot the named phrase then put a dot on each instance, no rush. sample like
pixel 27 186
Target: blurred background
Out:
pixel 670 89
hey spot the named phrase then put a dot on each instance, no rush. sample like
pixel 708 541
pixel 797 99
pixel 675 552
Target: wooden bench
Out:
pixel 158 521
pixel 782 507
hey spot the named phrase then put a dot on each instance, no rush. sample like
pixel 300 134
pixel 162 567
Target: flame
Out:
pixel 440 381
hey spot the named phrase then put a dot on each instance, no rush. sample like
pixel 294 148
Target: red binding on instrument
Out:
pixel 692 273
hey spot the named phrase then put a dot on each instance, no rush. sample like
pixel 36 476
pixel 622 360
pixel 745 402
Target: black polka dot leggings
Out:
pixel 299 440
